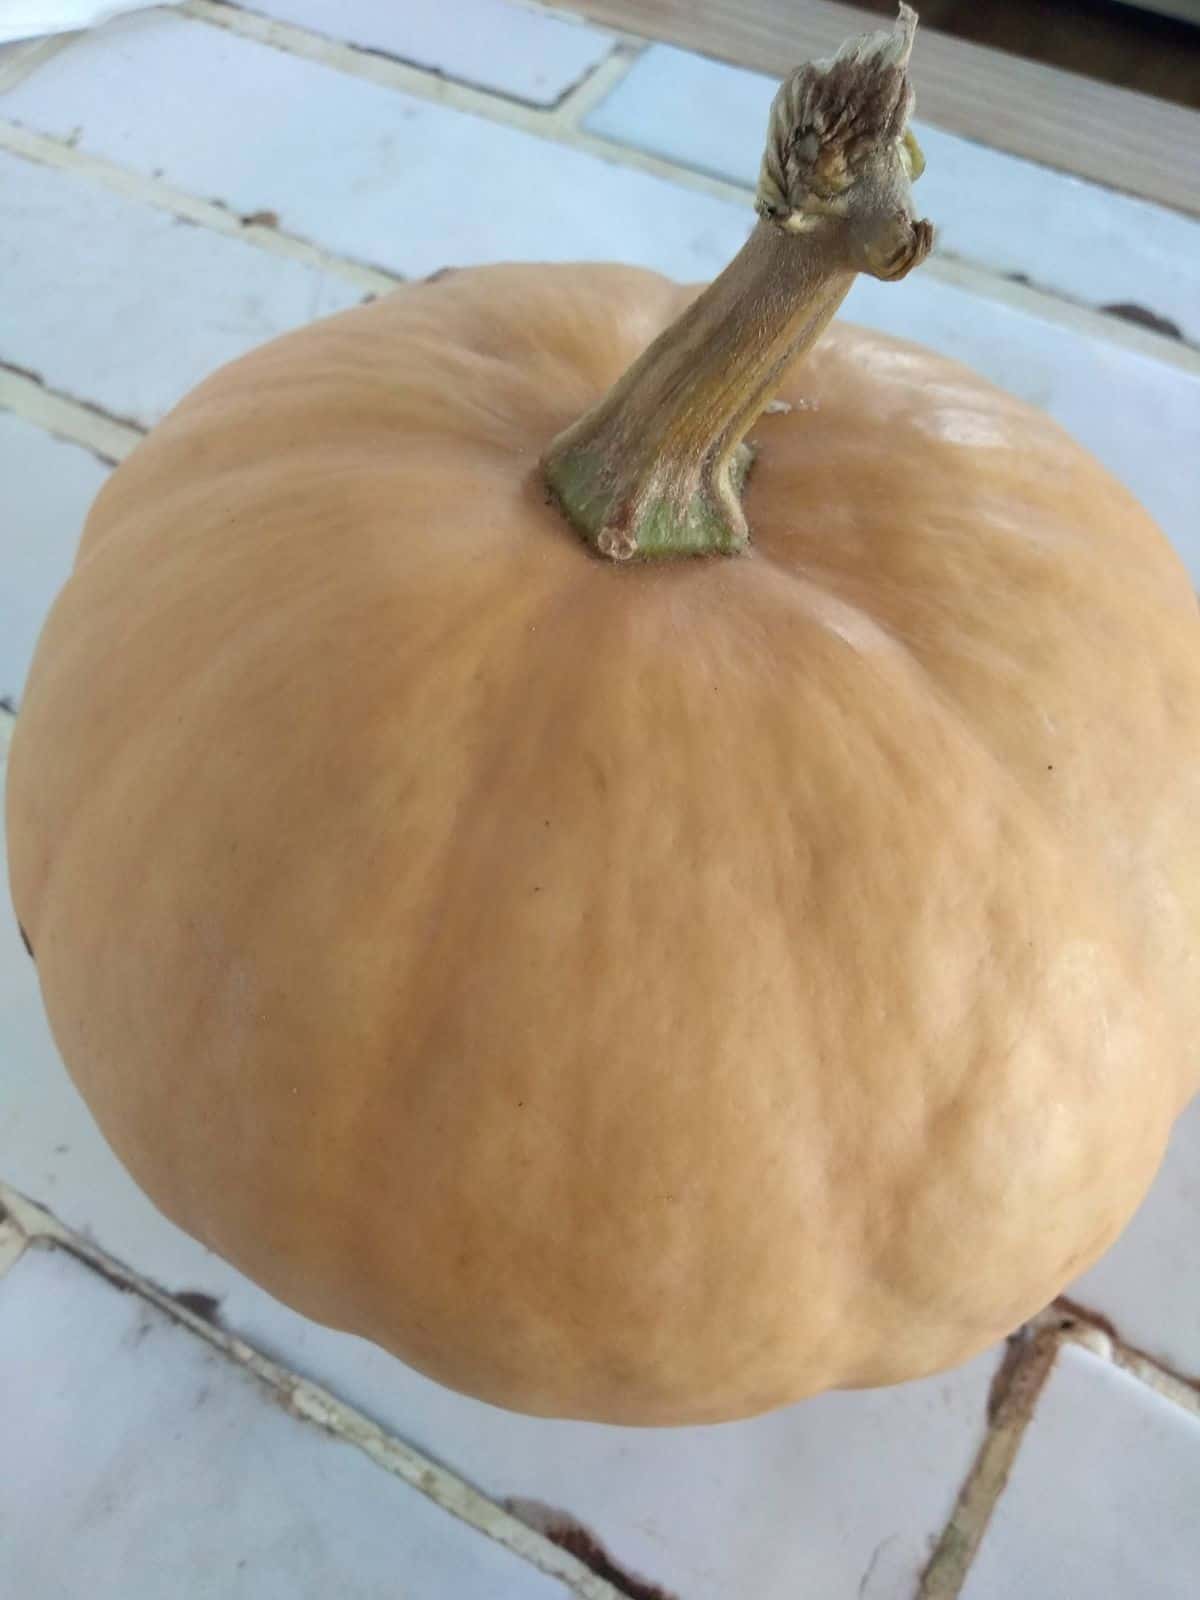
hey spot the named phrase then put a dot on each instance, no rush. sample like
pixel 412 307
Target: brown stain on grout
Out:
pixel 200 1303
pixel 1074 1312
pixel 1130 311
pixel 1013 1395
pixel 571 1535
pixel 1016 1348
pixel 1124 310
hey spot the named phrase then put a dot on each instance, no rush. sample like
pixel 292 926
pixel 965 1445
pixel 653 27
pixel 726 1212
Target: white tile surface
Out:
pixel 1104 1500
pixel 698 112
pixel 139 1461
pixel 508 48
pixel 341 160
pixel 46 487
pixel 1148 1284
pixel 364 170
pixel 808 1497
pixel 133 338
pixel 1010 215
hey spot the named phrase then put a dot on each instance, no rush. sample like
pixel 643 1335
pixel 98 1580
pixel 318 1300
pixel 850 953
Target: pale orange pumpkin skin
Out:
pixel 647 993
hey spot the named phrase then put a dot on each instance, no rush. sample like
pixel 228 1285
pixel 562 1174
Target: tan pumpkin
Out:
pixel 650 991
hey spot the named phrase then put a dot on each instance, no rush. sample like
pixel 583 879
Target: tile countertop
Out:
pixel 247 164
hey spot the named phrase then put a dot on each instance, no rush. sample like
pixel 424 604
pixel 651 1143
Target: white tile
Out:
pixel 692 110
pixel 1141 417
pixel 139 1461
pixel 122 305
pixel 364 170
pixel 1104 1499
pixel 809 1497
pixel 488 43
pixel 46 487
pixel 1148 1284
pixel 1010 215
pixel 340 161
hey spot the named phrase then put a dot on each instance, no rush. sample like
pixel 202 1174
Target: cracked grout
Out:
pixel 310 1402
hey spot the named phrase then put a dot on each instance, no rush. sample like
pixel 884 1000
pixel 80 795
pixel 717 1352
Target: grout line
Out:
pixel 1016 1388
pixel 960 273
pixel 552 123
pixel 559 124
pixel 1050 306
pixel 1157 1377
pixel 18 60
pixel 562 125
pixel 594 86
pixel 1098 131
pixel 28 396
pixel 1083 1326
pixel 622 155
pixel 1015 1393
pixel 12 1244
pixel 309 1402
pixel 212 214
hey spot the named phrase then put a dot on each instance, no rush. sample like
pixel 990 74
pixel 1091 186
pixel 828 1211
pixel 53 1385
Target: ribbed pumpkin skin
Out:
pixel 644 993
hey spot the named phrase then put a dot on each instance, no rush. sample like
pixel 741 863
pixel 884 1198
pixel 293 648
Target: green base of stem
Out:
pixel 653 526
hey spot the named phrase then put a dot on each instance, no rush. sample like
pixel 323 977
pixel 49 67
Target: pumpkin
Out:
pixel 649 990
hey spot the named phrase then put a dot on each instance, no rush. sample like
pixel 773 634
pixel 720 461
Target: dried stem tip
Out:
pixel 829 119
pixel 655 469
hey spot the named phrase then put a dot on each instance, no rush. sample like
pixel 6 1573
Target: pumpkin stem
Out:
pixel 656 468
